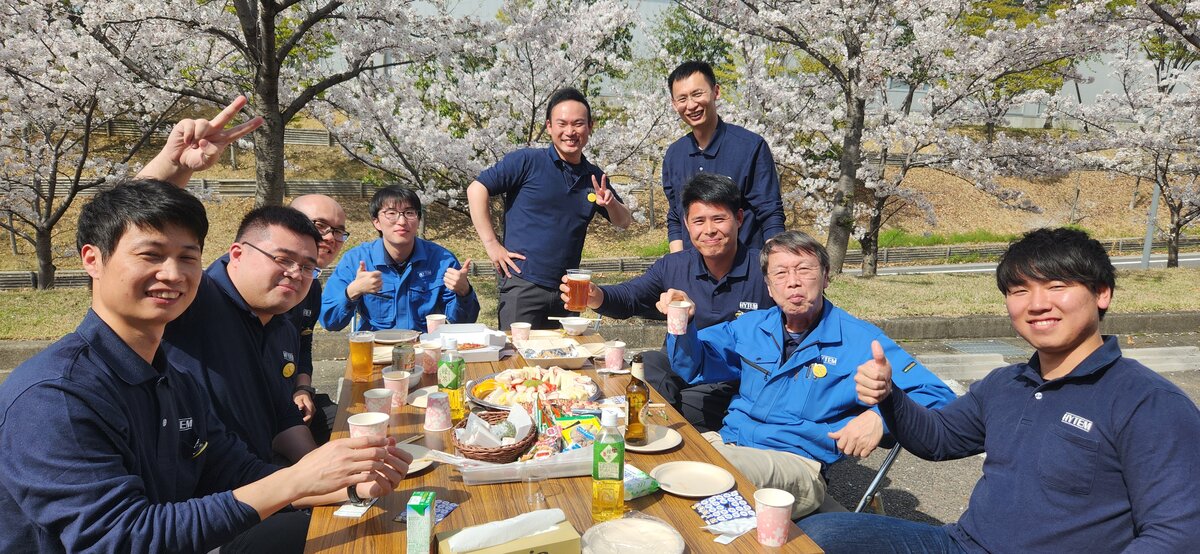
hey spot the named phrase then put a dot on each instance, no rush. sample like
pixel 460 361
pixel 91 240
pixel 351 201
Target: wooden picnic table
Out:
pixel 478 504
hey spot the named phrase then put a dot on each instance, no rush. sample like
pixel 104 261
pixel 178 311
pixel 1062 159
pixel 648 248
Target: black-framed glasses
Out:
pixel 339 233
pixel 289 264
pixel 393 215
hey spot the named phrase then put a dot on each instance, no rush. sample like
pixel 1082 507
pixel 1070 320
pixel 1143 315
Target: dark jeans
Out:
pixel 282 533
pixel 521 300
pixel 845 532
pixel 321 424
pixel 704 406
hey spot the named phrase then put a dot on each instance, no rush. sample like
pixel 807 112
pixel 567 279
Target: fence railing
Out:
pixel 11 280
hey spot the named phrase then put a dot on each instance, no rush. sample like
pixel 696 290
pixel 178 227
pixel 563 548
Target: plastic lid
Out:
pixel 450 344
pixel 608 418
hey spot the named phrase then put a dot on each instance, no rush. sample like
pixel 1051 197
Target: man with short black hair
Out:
pixel 1087 451
pixel 396 280
pixel 547 208
pixel 720 275
pixel 718 147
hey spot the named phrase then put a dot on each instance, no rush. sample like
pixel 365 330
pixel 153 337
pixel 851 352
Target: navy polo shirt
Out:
pixel 304 319
pixel 547 209
pixel 244 364
pixel 1106 458
pixel 741 290
pixel 740 155
pixel 104 452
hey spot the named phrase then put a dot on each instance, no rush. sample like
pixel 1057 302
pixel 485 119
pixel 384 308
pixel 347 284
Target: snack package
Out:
pixel 548 444
pixel 578 431
pixel 638 483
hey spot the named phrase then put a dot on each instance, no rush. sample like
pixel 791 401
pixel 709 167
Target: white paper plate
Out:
pixel 631 535
pixel 692 479
pixel 396 336
pixel 420 397
pixel 658 439
pixel 417 451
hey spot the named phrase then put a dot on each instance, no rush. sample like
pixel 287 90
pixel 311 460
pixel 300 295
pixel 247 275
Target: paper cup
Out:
pixel 437 412
pixel 433 352
pixel 369 424
pixel 520 330
pixel 433 321
pixel 773 509
pixel 397 382
pixel 614 357
pixel 677 317
pixel 378 401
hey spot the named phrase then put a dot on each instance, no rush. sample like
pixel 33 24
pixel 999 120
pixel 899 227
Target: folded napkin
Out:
pixel 500 532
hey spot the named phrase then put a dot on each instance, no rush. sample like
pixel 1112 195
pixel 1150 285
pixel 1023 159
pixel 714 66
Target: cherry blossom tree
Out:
pixel 59 96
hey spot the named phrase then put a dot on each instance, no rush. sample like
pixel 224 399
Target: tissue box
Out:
pixel 563 539
pixel 420 515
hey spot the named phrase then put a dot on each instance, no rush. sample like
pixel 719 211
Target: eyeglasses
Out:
pixel 803 272
pixel 339 233
pixel 289 264
pixel 393 215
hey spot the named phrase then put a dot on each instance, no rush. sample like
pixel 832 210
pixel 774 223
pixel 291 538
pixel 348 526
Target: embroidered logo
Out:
pixel 829 360
pixel 1077 422
pixel 185 424
pixel 307 312
pixel 747 306
pixel 288 356
pixel 425 273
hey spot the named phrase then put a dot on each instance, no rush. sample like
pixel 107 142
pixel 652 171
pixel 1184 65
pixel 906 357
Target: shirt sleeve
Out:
pixel 1159 450
pixel 304 359
pixel 763 196
pixel 464 309
pixel 948 433
pixel 77 487
pixel 637 296
pixel 286 413
pixel 707 356
pixel 336 308
pixel 670 190
pixel 506 175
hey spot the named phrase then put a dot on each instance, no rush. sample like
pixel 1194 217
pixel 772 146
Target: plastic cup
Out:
pixel 368 424
pixel 437 412
pixel 614 357
pixel 677 316
pixel 362 346
pixel 534 477
pixel 773 510
pixel 433 352
pixel 397 382
pixel 578 283
pixel 433 321
pixel 378 400
pixel 520 330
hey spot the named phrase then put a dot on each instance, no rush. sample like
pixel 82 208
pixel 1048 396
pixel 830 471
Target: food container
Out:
pixel 569 354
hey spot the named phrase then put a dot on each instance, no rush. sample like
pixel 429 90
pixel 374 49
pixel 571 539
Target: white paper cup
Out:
pixel 433 321
pixel 773 510
pixel 520 330
pixel 378 401
pixel 433 352
pixel 368 424
pixel 614 357
pixel 397 382
pixel 437 412
pixel 677 317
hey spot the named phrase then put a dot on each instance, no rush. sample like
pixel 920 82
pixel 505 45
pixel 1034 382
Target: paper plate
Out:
pixel 632 535
pixel 417 451
pixel 692 479
pixel 396 336
pixel 658 439
pixel 420 397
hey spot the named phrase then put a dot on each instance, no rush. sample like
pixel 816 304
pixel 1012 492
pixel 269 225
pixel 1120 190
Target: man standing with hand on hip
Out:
pixel 550 197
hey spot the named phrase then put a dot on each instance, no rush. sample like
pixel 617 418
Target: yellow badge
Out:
pixel 591 197
pixel 819 370
pixel 289 369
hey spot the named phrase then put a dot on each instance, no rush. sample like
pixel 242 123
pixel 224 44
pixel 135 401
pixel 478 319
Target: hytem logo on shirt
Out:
pixel 288 356
pixel 185 424
pixel 1077 422
pixel 747 306
pixel 830 360
pixel 424 273
pixel 307 312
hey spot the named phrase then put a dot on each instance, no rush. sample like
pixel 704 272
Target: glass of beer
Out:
pixel 578 283
pixel 362 345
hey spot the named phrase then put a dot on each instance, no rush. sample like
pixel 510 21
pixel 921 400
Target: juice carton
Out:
pixel 420 521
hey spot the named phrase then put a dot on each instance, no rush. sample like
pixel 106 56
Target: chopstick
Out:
pixel 412 439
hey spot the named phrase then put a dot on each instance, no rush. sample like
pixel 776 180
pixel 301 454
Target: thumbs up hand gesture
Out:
pixel 365 282
pixel 874 379
pixel 456 279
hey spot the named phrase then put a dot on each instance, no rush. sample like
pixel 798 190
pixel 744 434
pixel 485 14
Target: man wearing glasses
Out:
pixel 393 282
pixel 796 410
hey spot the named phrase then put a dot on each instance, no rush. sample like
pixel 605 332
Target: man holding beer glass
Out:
pixel 550 197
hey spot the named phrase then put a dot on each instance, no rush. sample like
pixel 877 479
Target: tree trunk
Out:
pixel 870 242
pixel 841 217
pixel 44 247
pixel 268 159
pixel 1173 242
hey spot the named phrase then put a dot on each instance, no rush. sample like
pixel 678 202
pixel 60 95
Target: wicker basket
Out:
pixel 499 454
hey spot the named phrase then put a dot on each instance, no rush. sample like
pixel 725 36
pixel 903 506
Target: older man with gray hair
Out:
pixel 796 410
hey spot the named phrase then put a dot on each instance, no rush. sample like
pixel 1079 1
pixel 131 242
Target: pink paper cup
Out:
pixel 368 424
pixel 677 317
pixel 433 321
pixel 378 401
pixel 773 509
pixel 614 357
pixel 520 330
pixel 437 412
pixel 433 352
pixel 397 382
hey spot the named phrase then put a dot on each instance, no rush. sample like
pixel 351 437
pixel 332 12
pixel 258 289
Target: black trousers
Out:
pixel 282 533
pixel 704 405
pixel 528 302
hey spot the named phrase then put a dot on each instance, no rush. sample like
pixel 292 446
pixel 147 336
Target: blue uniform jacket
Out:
pixel 1105 459
pixel 788 404
pixel 405 299
pixel 101 451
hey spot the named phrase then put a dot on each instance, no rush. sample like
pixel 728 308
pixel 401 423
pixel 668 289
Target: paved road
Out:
pixel 1121 262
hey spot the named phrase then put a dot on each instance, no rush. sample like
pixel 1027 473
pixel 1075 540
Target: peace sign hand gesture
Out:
pixel 604 195
pixel 197 144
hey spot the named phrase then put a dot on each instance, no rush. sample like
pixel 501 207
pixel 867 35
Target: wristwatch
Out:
pixel 353 495
pixel 311 391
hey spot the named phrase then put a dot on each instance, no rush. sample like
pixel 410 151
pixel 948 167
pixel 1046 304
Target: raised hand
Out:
pixel 595 295
pixel 604 195
pixel 197 144
pixel 874 379
pixel 673 295
pixel 365 282
pixel 456 279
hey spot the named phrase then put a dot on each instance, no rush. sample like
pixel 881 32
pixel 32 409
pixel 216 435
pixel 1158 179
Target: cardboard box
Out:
pixel 420 513
pixel 563 539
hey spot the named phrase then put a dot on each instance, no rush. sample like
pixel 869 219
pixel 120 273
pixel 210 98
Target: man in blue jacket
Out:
pixel 393 282
pixel 796 410
pixel 1087 451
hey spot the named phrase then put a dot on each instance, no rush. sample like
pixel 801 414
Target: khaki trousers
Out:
pixel 776 469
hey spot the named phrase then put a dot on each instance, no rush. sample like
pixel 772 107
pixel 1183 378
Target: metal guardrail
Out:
pixel 11 280
pixel 307 137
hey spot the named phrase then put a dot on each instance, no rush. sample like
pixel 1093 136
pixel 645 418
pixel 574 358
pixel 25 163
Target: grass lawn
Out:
pixel 51 314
